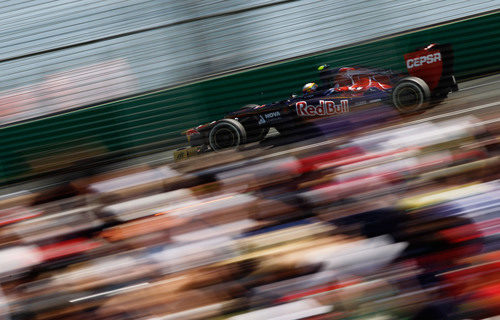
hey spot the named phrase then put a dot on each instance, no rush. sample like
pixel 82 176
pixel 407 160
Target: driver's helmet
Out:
pixel 310 87
pixel 326 73
pixel 323 67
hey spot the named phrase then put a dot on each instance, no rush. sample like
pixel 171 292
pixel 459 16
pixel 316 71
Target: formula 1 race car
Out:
pixel 428 81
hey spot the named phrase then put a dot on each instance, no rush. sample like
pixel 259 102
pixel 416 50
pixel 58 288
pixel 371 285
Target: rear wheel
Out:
pixel 226 134
pixel 411 95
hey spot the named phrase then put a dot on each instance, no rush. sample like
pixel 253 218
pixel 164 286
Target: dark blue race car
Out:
pixel 428 81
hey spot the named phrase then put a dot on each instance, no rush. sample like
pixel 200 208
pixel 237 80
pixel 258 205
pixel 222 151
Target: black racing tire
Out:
pixel 227 134
pixel 411 95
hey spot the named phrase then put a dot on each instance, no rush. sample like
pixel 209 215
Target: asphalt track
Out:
pixel 478 97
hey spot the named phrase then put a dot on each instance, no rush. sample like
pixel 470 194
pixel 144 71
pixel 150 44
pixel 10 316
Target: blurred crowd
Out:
pixel 400 223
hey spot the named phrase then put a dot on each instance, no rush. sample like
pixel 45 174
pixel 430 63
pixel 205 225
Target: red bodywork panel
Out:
pixel 426 64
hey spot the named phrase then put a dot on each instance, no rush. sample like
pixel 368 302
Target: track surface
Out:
pixel 479 97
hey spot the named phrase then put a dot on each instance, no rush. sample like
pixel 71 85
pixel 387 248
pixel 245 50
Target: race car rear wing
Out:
pixel 433 64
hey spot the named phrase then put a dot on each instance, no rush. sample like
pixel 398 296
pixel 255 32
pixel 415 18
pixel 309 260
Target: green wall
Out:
pixel 154 121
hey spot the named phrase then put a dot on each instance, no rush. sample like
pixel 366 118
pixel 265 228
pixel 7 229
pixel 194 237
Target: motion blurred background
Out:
pixel 385 217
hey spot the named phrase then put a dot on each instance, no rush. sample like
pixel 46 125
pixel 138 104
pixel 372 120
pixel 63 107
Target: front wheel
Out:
pixel 226 134
pixel 410 95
